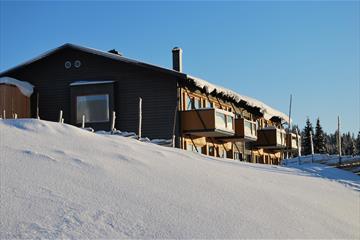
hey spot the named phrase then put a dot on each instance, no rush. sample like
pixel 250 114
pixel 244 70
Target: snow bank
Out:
pixel 24 87
pixel 59 181
pixel 268 112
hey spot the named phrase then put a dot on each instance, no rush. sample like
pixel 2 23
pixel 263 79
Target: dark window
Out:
pixel 211 151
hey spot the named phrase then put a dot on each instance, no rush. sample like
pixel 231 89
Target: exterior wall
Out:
pixel 157 89
pixel 12 101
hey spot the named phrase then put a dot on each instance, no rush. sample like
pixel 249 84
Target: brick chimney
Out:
pixel 177 59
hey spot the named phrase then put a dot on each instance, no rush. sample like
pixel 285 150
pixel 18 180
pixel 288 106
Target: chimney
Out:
pixel 177 59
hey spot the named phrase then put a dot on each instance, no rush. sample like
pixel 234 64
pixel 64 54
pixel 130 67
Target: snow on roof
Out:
pixel 25 88
pixel 266 110
pixel 77 83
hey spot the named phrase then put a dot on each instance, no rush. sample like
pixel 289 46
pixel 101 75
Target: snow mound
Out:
pixel 59 181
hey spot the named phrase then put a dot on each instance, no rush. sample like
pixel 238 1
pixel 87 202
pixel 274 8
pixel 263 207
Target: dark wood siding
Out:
pixel 157 89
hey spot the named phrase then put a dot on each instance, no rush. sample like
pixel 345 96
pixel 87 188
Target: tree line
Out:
pixel 327 143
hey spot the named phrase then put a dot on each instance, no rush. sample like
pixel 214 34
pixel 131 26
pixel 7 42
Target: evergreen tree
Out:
pixel 305 135
pixel 319 139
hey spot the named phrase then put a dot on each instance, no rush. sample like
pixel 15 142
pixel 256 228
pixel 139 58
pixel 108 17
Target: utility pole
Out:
pixel 288 132
pixel 339 140
pixel 312 147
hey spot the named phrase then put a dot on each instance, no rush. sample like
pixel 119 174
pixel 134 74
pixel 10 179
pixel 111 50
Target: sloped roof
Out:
pixel 95 52
pixel 267 111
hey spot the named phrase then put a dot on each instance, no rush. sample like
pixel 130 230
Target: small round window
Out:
pixel 67 64
pixel 77 63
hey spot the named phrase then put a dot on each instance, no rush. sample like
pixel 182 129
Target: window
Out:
pixel 94 107
pixel 188 103
pixel 222 153
pixel 220 120
pixel 238 156
pixel 211 151
pixel 197 103
pixel 229 122
pixel 190 147
pixel 208 104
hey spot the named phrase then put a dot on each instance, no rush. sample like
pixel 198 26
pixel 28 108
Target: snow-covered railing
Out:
pixel 323 159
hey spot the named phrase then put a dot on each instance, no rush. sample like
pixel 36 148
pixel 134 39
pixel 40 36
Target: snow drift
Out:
pixel 59 181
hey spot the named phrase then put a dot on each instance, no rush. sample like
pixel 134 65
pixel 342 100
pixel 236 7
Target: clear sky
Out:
pixel 266 50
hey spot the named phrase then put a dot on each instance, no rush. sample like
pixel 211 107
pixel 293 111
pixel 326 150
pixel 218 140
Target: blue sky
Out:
pixel 266 50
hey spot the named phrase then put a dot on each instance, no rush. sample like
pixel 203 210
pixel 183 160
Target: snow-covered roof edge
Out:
pixel 77 83
pixel 25 88
pixel 266 110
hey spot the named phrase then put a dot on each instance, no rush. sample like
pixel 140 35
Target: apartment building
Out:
pixel 202 117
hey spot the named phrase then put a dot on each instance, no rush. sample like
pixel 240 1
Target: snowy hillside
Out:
pixel 58 181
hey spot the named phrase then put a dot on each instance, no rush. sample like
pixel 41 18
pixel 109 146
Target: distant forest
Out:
pixel 327 143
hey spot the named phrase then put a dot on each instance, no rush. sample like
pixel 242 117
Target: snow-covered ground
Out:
pixel 59 181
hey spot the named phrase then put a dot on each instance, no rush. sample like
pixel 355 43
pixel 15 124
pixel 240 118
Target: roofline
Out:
pixel 96 52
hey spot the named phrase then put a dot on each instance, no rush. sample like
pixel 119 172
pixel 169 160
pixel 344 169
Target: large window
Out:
pixel 94 107
pixel 220 120
pixel 224 121
pixel 197 103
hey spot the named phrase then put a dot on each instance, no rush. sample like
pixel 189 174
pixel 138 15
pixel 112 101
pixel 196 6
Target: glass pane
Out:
pixel 209 104
pixel 211 151
pixel 197 103
pixel 188 103
pixel 189 147
pixel 94 107
pixel 248 130
pixel 220 121
pixel 229 123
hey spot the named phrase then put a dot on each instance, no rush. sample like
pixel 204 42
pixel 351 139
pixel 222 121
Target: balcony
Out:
pixel 208 122
pixel 245 130
pixel 271 138
pixel 292 141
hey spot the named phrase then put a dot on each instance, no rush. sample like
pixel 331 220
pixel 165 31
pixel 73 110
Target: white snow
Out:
pixel 268 111
pixel 25 88
pixel 77 83
pixel 59 181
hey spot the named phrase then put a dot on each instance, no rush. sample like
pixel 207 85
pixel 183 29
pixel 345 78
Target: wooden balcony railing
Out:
pixel 208 122
pixel 271 137
pixel 245 130
pixel 292 141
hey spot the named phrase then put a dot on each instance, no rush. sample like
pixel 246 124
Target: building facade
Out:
pixel 201 117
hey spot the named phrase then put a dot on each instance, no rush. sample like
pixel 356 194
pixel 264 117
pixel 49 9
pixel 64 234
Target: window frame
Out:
pixel 87 95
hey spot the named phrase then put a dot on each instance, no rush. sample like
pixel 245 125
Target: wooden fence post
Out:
pixel 83 121
pixel 140 116
pixel 113 121
pixel 60 116
pixel 37 106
